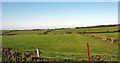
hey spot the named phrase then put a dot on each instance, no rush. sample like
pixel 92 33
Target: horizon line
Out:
pixel 59 27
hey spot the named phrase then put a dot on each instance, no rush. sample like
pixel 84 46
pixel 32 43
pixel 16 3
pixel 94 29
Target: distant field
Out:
pixel 97 29
pixel 27 32
pixel 110 35
pixel 53 45
pixel 3 31
pixel 63 31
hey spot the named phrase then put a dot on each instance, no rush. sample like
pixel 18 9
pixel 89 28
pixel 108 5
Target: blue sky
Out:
pixel 0 16
pixel 60 0
pixel 29 15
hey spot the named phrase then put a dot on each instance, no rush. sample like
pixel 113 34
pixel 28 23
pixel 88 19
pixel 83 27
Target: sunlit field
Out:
pixel 56 45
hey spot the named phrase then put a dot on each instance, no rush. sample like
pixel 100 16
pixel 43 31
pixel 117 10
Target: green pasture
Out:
pixel 59 45
pixel 27 32
pixel 63 31
pixel 110 35
pixel 96 29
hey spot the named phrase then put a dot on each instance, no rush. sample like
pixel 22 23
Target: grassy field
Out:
pixel 110 35
pixel 54 45
pixel 27 32
pixel 73 30
pixel 97 29
pixel 58 44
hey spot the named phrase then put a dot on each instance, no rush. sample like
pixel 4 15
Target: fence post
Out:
pixel 38 54
pixel 88 51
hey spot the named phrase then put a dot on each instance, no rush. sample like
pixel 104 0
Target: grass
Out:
pixel 27 32
pixel 59 45
pixel 110 35
pixel 97 29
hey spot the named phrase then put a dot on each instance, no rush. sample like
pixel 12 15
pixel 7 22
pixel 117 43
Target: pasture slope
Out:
pixel 74 30
pixel 58 44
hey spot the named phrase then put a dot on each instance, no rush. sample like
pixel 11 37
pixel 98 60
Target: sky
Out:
pixel 60 0
pixel 0 16
pixel 39 15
